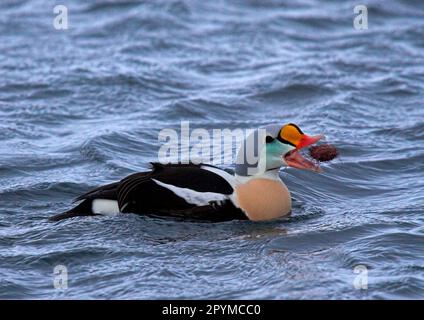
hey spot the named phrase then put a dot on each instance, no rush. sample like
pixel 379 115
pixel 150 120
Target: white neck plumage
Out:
pixel 270 174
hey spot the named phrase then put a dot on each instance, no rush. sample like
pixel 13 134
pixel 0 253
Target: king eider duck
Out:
pixel 205 192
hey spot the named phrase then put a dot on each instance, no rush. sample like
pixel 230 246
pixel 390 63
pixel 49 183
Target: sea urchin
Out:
pixel 323 152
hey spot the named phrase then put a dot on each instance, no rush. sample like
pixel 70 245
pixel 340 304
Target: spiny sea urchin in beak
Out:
pixel 293 135
pixel 323 152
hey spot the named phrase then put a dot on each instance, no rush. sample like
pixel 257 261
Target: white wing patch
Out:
pixel 105 207
pixel 192 196
pixel 223 174
pixel 227 177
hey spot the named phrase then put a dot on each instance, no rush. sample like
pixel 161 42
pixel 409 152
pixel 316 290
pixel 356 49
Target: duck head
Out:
pixel 275 146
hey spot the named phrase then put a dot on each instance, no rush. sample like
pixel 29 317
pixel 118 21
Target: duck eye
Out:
pixel 269 139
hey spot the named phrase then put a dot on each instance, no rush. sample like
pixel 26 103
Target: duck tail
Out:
pixel 82 209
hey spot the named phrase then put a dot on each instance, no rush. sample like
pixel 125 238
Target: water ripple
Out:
pixel 83 107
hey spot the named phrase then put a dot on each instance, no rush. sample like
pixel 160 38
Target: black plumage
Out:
pixel 139 193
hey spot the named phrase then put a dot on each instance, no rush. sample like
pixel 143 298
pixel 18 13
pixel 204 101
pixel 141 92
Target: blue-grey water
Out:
pixel 83 107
